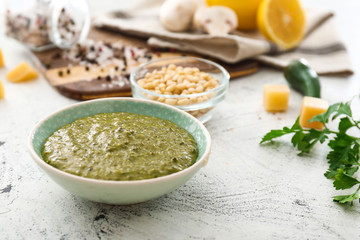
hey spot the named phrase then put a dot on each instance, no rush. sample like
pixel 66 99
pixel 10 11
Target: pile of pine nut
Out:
pixel 178 80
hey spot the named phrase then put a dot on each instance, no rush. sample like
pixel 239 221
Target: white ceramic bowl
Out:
pixel 199 109
pixel 119 192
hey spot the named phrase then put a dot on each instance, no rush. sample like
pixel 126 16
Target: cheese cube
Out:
pixel 21 73
pixel 312 106
pixel 2 63
pixel 2 91
pixel 276 97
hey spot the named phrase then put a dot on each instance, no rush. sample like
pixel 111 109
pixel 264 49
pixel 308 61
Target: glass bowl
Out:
pixel 197 103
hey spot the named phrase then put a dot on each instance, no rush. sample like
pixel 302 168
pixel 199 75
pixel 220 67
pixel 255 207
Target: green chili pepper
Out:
pixel 302 78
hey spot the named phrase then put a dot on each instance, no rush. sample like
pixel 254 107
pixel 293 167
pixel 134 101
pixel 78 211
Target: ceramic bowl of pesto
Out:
pixel 119 191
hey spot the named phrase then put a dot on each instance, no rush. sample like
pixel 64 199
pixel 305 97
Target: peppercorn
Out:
pixel 47 64
pixel 56 55
pixel 108 45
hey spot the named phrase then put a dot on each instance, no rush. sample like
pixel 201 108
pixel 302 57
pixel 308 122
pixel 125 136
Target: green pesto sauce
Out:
pixel 120 146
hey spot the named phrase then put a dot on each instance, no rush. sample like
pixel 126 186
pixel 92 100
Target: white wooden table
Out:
pixel 247 191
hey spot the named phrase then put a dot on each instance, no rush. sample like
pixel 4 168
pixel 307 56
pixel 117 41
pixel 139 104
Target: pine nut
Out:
pixel 177 80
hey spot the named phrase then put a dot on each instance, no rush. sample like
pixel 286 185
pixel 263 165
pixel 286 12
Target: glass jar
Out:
pixel 43 24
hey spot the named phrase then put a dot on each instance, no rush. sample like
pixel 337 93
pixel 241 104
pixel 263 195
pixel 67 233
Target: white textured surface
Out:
pixel 247 191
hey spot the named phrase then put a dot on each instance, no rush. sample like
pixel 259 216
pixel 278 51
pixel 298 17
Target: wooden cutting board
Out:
pixel 81 82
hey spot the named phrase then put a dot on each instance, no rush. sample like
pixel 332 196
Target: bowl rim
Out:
pixel 200 163
pixel 221 86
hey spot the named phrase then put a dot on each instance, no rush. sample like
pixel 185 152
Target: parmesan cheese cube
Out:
pixel 2 90
pixel 21 73
pixel 2 63
pixel 276 97
pixel 311 107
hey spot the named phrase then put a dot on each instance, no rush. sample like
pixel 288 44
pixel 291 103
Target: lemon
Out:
pixel 2 91
pixel 245 10
pixel 282 22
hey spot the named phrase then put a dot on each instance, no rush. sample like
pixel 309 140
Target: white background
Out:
pixel 247 191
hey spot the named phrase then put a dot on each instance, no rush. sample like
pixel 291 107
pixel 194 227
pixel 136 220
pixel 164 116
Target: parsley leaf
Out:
pixel 344 181
pixel 345 153
pixel 346 198
pixel 344 156
pixel 345 124
pixel 278 133
pixel 305 141
pixel 344 109
pixel 275 134
pixel 324 117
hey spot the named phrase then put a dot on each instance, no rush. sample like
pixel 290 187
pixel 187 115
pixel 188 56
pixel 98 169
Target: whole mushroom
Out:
pixel 215 20
pixel 177 15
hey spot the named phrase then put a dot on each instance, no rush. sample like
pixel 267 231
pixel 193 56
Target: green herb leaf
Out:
pixel 344 109
pixel 344 124
pixel 278 133
pixel 345 149
pixel 330 173
pixel 297 139
pixel 274 134
pixel 351 170
pixel 344 181
pixel 346 198
pixel 296 125
pixel 306 141
pixel 324 117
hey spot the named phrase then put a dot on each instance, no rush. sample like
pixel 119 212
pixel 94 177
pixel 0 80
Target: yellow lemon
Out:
pixel 245 10
pixel 282 21
pixel 2 91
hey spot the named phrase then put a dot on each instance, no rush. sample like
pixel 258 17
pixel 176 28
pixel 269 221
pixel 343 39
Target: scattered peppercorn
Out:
pixel 148 55
pixel 108 78
pixel 68 71
pixel 47 64
pixel 116 68
pixel 87 68
pixel 108 45
pixel 92 61
pixel 60 73
pixel 56 55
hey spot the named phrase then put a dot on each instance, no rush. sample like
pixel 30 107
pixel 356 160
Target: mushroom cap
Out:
pixel 177 15
pixel 216 20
